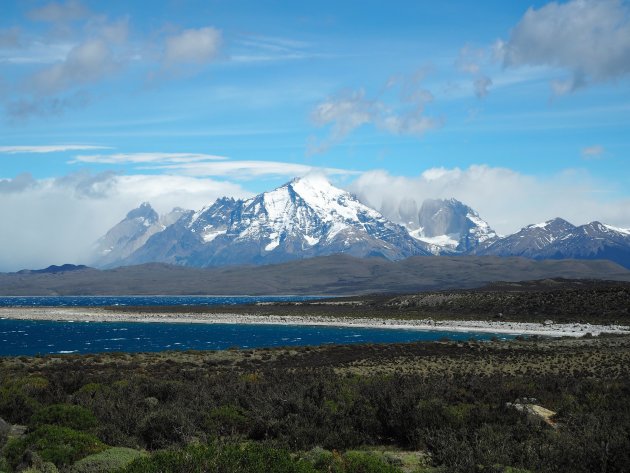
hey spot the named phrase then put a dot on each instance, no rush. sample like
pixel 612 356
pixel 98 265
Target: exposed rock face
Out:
pixel 132 233
pixel 449 227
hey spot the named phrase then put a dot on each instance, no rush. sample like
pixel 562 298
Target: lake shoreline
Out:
pixel 91 314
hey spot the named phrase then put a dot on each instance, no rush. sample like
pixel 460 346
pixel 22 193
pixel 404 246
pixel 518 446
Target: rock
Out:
pixel 17 430
pixel 5 428
pixel 534 412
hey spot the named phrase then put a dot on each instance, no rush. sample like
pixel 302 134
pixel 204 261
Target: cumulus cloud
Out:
pixel 593 152
pixel 87 62
pixel 47 148
pixel 350 110
pixel 346 112
pixel 54 12
pixel 19 183
pixel 55 221
pixel 590 39
pixel 507 199
pixel 193 46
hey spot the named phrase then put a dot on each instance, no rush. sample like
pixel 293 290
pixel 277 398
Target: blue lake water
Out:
pixel 27 337
pixel 102 301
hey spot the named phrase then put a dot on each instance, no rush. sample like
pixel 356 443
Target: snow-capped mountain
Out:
pixel 304 218
pixel 558 239
pixel 444 226
pixel 309 217
pixel 531 240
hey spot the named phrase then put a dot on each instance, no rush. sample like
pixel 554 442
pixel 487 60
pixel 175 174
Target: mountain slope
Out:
pixel 304 218
pixel 558 239
pixel 132 233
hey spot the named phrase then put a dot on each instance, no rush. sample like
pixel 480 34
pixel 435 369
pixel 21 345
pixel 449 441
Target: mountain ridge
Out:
pixel 309 217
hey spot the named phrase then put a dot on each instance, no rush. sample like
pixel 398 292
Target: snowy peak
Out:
pixel 553 226
pixel 601 229
pixel 303 218
pixel 558 238
pixel 310 213
pixel 310 217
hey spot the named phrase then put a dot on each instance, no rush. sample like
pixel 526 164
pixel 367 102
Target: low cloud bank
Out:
pixel 55 221
pixel 506 199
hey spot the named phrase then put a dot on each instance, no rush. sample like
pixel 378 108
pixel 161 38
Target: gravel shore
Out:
pixel 91 314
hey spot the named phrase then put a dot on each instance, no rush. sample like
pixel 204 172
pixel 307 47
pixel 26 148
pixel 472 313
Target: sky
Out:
pixel 519 109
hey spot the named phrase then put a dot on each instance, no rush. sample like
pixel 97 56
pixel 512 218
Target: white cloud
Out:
pixel 19 183
pixel 593 152
pixel 53 221
pixel 350 110
pixel 47 148
pixel 257 48
pixel 590 39
pixel 139 158
pixel 346 113
pixel 507 199
pixel 199 164
pixel 247 169
pixel 54 12
pixel 193 46
pixel 90 61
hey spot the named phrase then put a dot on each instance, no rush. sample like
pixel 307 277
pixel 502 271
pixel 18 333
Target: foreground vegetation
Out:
pixel 419 407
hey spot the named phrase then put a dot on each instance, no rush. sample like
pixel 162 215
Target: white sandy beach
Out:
pixel 101 315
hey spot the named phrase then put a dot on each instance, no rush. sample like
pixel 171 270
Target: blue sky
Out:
pixel 520 109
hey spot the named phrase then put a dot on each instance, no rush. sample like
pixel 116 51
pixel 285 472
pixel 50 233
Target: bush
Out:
pixel 163 429
pixel 111 459
pixel 227 420
pixel 59 445
pixel 351 462
pixel 365 462
pixel 244 459
pixel 64 415
pixel 15 406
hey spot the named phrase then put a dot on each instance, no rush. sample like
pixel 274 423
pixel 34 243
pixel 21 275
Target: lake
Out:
pixel 28 337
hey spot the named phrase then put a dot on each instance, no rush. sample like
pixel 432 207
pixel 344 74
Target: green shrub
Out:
pixel 250 458
pixel 108 460
pixel 59 445
pixel 16 406
pixel 227 420
pixel 64 415
pixel 163 429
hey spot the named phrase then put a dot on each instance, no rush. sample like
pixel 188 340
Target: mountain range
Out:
pixel 309 217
